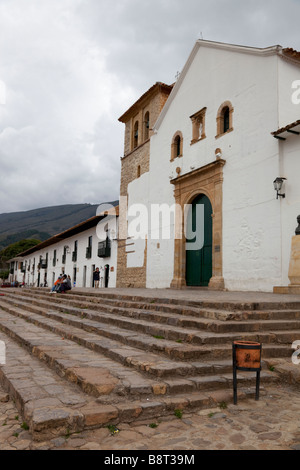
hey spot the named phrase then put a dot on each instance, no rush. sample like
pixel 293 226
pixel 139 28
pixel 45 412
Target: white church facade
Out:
pixel 198 205
pixel 227 130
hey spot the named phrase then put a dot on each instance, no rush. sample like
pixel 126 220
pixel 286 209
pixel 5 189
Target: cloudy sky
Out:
pixel 70 68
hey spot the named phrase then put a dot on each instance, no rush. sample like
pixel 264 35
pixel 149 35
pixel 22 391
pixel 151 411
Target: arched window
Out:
pixel 224 119
pixel 177 145
pixel 146 126
pixel 135 134
pixel 225 113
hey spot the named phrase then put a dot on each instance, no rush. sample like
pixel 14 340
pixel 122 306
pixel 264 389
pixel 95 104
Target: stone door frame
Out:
pixel 206 180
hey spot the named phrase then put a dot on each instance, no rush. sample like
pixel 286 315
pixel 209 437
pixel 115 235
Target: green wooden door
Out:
pixel 199 261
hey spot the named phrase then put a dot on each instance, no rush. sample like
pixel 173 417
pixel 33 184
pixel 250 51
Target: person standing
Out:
pixel 96 277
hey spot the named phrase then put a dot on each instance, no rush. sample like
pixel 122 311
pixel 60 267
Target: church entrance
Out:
pixel 199 260
pixel 204 266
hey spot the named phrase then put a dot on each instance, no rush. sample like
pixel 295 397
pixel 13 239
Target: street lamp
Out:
pixel 278 185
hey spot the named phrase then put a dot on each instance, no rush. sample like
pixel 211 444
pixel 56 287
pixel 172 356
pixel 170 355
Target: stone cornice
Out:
pixel 217 164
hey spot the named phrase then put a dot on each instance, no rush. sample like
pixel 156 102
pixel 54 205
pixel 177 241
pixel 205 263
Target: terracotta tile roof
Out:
pixel 158 86
pixel 81 227
pixel 292 53
pixel 286 128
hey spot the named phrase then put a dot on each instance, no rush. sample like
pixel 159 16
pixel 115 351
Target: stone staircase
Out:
pixel 82 360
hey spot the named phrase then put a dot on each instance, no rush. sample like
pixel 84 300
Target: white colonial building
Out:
pixel 198 205
pixel 228 129
pixel 76 252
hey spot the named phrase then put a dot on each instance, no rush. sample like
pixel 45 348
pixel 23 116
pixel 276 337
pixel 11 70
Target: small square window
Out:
pixel 198 123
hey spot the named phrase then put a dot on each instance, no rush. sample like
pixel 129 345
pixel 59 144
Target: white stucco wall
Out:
pixel 290 205
pixel 138 223
pixel 289 110
pixel 255 241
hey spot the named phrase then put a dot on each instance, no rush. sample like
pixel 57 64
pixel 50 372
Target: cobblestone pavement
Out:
pixel 271 423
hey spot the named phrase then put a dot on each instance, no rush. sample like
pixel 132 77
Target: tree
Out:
pixel 4 274
pixel 15 249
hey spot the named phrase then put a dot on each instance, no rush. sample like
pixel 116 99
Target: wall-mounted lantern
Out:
pixel 278 185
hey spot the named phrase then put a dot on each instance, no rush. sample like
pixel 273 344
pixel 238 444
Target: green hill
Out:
pixel 43 223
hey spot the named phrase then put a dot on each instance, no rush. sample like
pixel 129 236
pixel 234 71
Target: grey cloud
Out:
pixel 72 67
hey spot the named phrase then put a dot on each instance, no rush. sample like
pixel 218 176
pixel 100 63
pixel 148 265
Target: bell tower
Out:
pixel 139 120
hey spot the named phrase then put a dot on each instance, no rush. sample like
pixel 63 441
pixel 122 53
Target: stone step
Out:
pixel 174 350
pixel 60 387
pixel 47 404
pixel 63 322
pixel 51 406
pixel 210 310
pixel 95 374
pixel 101 377
pixel 231 305
pixel 148 362
pixel 131 309
pixel 73 371
pixel 92 311
pixel 171 331
pixel 237 321
pixel 107 304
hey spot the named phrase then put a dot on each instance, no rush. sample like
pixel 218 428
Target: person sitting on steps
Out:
pixel 56 284
pixel 65 285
